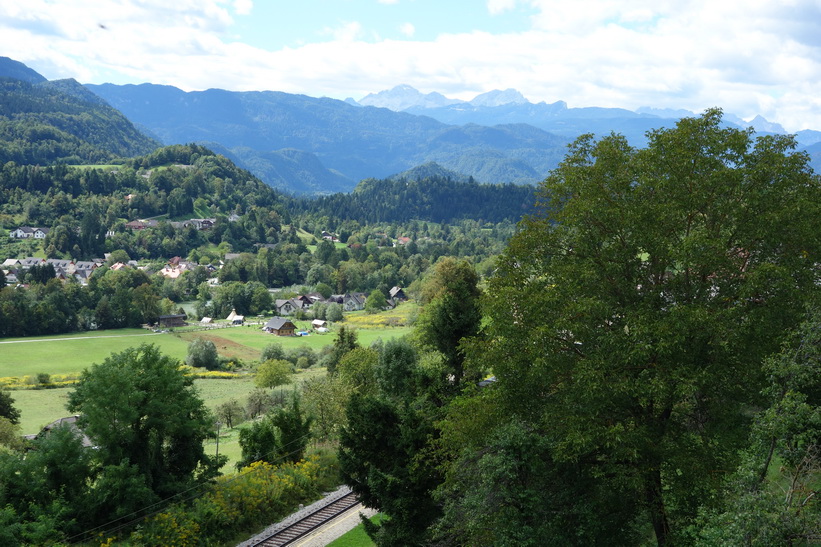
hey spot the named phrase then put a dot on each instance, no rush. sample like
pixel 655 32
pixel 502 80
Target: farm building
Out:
pixel 167 321
pixel 398 294
pixel 69 422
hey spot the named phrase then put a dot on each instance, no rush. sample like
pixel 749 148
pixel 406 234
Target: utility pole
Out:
pixel 218 439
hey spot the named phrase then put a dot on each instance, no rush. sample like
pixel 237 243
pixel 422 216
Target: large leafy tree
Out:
pixel 451 312
pixel 273 373
pixel 7 408
pixel 628 319
pixel 139 407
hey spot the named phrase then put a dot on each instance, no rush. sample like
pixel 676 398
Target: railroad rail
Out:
pixel 307 520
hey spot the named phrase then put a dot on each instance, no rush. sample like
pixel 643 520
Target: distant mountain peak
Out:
pixel 670 113
pixel 403 97
pixel 499 98
pixel 759 123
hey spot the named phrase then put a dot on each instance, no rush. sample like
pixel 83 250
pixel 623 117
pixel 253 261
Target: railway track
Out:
pixel 288 533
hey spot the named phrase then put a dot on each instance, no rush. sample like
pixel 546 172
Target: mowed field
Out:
pixel 68 355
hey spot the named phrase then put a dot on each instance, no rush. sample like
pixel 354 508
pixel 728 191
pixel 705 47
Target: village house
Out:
pixel 86 267
pixel 198 223
pixel 312 298
pixel 27 232
pixel 291 305
pixel 69 422
pixel 354 301
pixel 280 326
pixel 141 224
pixel 397 294
pixel 175 267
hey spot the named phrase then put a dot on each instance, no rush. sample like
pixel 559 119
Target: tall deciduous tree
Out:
pixel 376 302
pixel 628 319
pixel 230 412
pixel 451 312
pixel 138 406
pixel 273 373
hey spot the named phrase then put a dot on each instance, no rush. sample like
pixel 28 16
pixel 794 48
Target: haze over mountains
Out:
pixel 307 144
pixel 303 144
pixel 510 106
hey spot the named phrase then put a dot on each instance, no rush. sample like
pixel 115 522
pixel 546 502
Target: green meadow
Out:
pixel 64 357
pixel 69 354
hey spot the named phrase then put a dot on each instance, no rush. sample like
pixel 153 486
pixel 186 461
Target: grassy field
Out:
pixel 69 354
pixel 356 537
pixel 39 407
pixel 63 357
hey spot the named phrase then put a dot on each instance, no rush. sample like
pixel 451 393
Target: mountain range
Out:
pixel 307 145
pixel 510 106
pixel 320 145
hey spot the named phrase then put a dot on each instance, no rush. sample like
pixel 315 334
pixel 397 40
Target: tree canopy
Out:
pixel 628 319
pixel 139 408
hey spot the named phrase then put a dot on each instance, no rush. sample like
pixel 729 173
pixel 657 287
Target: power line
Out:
pixel 157 507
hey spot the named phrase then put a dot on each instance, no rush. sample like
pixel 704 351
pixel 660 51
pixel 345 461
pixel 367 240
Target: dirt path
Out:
pixel 77 338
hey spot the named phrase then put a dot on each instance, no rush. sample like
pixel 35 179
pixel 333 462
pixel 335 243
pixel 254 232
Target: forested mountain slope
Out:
pixel 62 122
pixel 434 198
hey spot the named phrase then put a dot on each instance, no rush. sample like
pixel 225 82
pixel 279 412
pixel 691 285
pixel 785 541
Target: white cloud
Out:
pixel 243 7
pixel 748 58
pixel 346 32
pixel 496 7
pixel 407 29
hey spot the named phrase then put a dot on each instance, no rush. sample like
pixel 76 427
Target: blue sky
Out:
pixel 270 24
pixel 748 57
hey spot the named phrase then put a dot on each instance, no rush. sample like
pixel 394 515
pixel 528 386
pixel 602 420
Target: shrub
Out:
pixel 202 353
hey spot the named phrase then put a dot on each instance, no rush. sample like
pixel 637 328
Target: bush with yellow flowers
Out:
pixel 258 495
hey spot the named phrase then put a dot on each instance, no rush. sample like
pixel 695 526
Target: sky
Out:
pixel 747 57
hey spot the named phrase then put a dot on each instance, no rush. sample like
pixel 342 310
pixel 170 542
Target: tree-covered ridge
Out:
pixel 433 198
pixel 62 122
pixel 9 68
pixel 185 181
pixel 172 182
